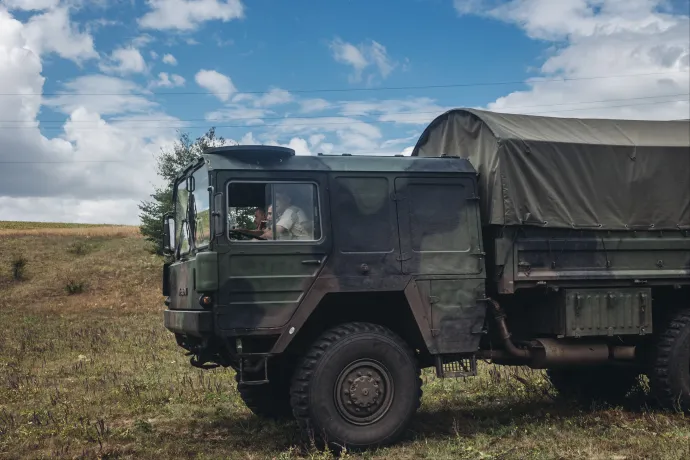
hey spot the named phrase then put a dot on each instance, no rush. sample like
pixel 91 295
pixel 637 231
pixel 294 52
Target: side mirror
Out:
pixel 168 233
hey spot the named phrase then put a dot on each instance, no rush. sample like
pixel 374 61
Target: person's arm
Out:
pixel 285 222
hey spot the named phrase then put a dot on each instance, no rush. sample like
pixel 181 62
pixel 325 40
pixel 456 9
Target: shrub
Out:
pixel 79 248
pixel 75 287
pixel 18 265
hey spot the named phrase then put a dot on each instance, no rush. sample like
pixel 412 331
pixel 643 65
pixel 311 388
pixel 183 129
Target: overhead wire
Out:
pixel 124 161
pixel 327 123
pixel 257 127
pixel 339 115
pixel 366 89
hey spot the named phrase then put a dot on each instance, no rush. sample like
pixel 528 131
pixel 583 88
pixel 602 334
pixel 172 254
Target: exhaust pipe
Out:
pixel 500 317
pixel 545 353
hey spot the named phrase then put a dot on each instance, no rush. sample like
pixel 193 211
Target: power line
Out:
pixel 314 117
pixel 123 161
pixel 347 90
pixel 349 122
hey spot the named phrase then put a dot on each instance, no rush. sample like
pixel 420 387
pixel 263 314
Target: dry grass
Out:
pixel 96 375
pixel 25 225
pixel 82 231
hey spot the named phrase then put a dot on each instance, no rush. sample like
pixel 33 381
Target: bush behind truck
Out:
pixel 557 244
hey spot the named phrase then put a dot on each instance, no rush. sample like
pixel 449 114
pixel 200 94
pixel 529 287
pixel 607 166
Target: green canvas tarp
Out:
pixel 570 173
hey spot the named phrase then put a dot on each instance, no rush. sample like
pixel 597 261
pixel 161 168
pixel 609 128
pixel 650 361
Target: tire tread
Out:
pixel 660 377
pixel 299 392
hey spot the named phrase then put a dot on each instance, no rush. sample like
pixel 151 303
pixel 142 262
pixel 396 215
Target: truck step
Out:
pixel 260 371
pixel 454 366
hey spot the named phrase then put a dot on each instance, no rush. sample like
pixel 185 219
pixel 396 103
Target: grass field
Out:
pixel 87 370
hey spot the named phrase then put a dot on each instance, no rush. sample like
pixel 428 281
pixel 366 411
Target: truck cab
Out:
pixel 372 242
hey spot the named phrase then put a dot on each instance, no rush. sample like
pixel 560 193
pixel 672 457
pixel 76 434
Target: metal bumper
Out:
pixel 197 323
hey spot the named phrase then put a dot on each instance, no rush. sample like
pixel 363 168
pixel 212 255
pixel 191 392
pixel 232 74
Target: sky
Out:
pixel 91 91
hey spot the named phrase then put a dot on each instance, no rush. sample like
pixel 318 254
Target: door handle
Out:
pixel 312 262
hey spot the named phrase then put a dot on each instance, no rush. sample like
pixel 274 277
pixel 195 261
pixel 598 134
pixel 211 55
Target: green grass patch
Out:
pixel 96 375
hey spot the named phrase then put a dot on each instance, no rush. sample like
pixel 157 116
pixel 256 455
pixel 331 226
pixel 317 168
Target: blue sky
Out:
pixel 93 89
pixel 290 45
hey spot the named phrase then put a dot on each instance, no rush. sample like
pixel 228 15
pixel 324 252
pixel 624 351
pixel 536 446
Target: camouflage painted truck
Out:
pixel 558 244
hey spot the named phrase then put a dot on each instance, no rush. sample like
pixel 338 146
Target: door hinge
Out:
pixel 403 257
pixel 397 196
pixel 473 198
pixel 433 299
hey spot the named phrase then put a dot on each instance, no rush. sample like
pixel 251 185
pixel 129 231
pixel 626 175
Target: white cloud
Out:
pixel 70 210
pixel 361 57
pixel 235 112
pixel 53 32
pixel 124 61
pixel 347 53
pixel 170 59
pixel 142 41
pixel 189 14
pixel 300 145
pixel 30 5
pixel 314 105
pixel 274 96
pixel 168 81
pixel 217 83
pixel 379 56
pixel 116 96
pixel 154 55
pixel 416 111
pixel 353 135
pixel 603 38
pixel 464 7
pixel 93 171
pixel 407 151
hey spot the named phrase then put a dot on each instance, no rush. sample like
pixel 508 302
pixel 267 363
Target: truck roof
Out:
pixel 262 157
pixel 570 172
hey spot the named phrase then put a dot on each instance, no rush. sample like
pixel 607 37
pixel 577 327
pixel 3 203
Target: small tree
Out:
pixel 170 163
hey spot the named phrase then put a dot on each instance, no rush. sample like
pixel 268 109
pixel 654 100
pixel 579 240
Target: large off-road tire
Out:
pixel 669 376
pixel 357 387
pixel 594 384
pixel 269 400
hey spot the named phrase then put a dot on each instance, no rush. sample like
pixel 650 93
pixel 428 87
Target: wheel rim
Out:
pixel 364 392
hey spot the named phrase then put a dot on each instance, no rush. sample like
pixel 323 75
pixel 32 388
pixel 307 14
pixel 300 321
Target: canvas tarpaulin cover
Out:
pixel 570 173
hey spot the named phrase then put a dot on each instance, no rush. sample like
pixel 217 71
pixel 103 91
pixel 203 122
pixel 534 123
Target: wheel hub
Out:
pixel 364 392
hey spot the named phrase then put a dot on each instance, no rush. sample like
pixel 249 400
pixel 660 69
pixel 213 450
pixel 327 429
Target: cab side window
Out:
pixel 273 211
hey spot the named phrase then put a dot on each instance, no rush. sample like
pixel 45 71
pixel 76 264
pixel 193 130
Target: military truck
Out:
pixel 558 244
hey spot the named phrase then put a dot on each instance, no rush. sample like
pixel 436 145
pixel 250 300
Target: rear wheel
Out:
pixel 669 378
pixel 268 400
pixel 594 384
pixel 358 386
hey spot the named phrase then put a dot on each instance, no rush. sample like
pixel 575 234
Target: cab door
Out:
pixel 262 282
pixel 440 240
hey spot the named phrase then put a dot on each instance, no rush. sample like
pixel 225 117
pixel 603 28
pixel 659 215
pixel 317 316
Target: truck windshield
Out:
pixel 201 202
pixel 196 230
pixel 181 218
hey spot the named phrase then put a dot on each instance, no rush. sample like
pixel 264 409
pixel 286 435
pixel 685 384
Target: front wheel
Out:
pixel 358 386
